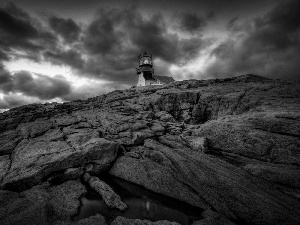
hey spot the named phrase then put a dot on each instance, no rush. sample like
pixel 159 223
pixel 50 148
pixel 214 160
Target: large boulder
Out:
pixel 35 159
pixel 261 136
pixel 205 181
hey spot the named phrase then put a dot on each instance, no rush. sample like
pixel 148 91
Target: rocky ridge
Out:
pixel 228 146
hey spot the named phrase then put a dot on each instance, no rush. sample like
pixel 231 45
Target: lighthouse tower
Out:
pixel 145 71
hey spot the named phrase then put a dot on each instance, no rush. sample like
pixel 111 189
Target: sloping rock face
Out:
pixel 206 181
pixel 229 146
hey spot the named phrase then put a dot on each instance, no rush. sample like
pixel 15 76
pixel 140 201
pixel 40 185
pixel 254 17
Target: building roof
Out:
pixel 163 79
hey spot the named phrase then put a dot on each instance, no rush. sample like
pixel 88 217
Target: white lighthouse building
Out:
pixel 145 72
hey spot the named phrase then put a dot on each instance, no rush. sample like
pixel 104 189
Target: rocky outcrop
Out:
pixel 231 145
pixel 111 199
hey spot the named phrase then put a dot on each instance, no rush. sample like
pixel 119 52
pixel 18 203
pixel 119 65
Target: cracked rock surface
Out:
pixel 228 146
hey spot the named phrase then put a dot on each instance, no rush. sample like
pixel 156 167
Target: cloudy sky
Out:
pixel 62 50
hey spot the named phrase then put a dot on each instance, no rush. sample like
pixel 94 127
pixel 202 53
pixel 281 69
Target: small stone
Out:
pixel 199 144
pixel 86 177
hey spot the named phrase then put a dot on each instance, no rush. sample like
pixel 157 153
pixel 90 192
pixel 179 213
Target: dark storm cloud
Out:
pixel 191 21
pixel 69 57
pixel 233 24
pixel 152 35
pixel 107 47
pixel 3 56
pixel 10 101
pixel 116 37
pixel 67 28
pixel 101 35
pixel 24 88
pixel 19 31
pixel 16 22
pixel 5 80
pixel 91 90
pixel 15 30
pixel 42 87
pixel 270 48
pixel 279 29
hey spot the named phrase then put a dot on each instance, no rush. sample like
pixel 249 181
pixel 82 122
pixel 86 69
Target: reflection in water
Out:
pixel 148 206
pixel 142 204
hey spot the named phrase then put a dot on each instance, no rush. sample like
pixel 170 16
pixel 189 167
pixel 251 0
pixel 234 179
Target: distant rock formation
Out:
pixel 228 146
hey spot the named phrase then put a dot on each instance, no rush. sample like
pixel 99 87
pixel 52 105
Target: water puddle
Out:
pixel 143 204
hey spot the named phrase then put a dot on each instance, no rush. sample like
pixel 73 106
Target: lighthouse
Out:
pixel 145 72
